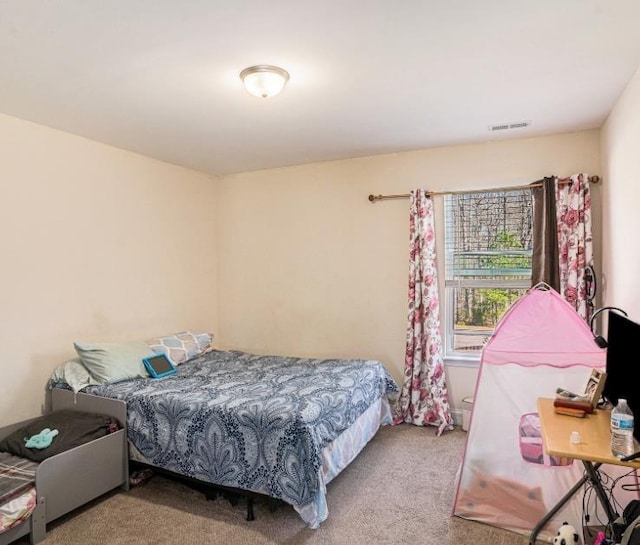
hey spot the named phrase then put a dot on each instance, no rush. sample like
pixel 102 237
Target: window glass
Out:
pixel 488 247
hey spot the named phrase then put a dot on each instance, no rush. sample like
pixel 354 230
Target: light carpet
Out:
pixel 398 490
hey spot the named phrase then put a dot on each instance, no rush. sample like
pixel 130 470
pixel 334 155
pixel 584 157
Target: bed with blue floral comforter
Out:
pixel 251 422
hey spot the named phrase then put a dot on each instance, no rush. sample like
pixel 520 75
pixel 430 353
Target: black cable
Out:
pixel 609 483
pixel 589 498
pixel 599 339
pixel 612 483
pixel 585 514
pixel 585 504
pixel 591 284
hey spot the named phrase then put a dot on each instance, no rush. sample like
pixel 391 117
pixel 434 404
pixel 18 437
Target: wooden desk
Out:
pixel 593 450
pixel 594 429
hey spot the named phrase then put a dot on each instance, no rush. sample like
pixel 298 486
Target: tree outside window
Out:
pixel 488 247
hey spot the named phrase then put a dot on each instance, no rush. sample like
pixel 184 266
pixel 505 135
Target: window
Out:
pixel 488 247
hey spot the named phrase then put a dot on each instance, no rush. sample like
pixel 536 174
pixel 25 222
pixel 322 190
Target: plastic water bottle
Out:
pixel 622 430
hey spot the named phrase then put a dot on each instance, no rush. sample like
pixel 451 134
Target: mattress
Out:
pixel 17 490
pixel 16 475
pixel 18 509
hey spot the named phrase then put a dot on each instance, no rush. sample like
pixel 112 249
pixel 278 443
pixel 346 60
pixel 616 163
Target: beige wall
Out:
pixel 102 244
pixel 98 244
pixel 308 266
pixel 621 201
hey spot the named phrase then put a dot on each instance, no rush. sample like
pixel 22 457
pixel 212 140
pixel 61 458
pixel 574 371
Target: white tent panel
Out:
pixel 505 478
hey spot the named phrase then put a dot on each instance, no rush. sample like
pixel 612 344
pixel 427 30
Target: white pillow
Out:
pixel 113 362
pixel 74 374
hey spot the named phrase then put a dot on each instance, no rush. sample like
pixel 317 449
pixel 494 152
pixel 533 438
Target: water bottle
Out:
pixel 622 430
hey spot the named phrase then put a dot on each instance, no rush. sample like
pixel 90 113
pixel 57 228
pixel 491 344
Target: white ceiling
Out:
pixel 160 77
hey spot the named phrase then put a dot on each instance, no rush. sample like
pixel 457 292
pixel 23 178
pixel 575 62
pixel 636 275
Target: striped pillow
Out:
pixel 182 346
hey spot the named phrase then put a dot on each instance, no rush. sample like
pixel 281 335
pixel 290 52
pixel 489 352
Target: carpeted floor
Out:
pixel 399 490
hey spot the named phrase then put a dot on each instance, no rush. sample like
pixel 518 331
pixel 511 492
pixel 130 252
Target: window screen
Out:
pixel 488 243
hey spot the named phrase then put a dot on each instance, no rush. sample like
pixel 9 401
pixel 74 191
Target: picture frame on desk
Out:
pixel 595 385
pixel 584 403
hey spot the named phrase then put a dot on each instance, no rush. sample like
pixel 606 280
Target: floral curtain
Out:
pixel 423 399
pixel 575 241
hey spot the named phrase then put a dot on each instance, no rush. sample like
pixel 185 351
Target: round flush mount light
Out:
pixel 264 80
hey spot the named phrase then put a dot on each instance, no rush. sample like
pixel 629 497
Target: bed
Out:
pixel 87 459
pixel 279 426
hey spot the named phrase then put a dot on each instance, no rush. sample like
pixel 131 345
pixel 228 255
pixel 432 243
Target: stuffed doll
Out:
pixel 567 535
pixel 41 440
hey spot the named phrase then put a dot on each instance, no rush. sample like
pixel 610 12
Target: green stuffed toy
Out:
pixel 41 440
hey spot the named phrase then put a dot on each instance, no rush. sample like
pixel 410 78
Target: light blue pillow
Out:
pixel 113 362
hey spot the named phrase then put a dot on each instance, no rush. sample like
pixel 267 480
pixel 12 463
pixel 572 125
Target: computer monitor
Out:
pixel 623 364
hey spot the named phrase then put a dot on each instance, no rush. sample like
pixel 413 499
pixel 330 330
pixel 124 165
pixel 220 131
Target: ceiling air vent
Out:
pixel 509 126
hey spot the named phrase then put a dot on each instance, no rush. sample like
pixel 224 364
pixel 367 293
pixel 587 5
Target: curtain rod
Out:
pixel 374 198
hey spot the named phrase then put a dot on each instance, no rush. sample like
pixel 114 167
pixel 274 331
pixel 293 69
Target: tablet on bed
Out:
pixel 159 366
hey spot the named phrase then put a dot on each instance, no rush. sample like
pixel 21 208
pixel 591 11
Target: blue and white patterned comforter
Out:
pixel 248 421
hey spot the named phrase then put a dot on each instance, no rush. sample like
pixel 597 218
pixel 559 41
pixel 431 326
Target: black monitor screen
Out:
pixel 623 367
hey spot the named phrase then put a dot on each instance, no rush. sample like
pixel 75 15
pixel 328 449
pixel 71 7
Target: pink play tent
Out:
pixel 505 478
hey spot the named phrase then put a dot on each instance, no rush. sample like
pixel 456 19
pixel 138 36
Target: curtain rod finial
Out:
pixel 373 198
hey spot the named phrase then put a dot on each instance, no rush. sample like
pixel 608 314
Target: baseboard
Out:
pixel 456 414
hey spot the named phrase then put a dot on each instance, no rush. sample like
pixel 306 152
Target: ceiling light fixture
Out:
pixel 264 80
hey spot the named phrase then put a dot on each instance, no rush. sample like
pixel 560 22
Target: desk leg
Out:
pixel 594 477
pixel 591 476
